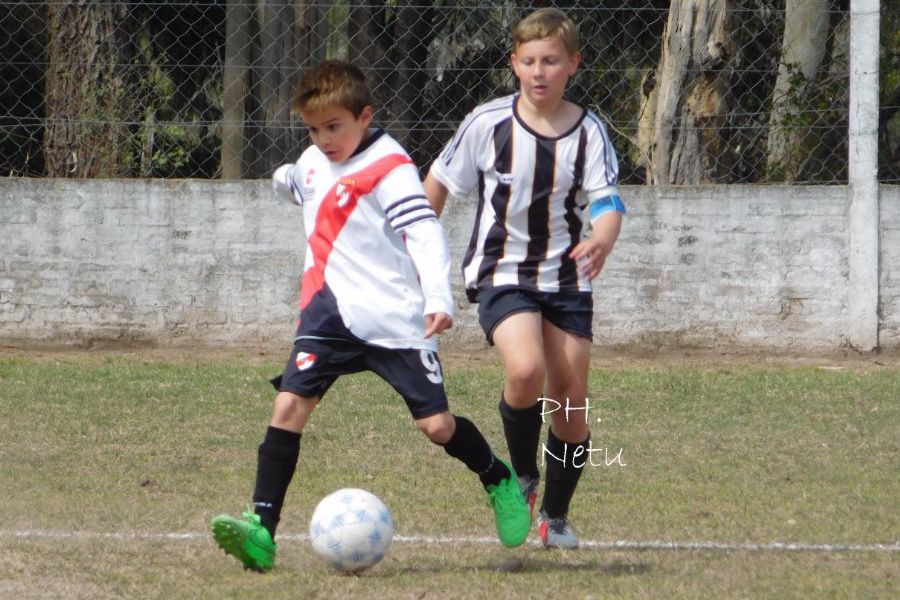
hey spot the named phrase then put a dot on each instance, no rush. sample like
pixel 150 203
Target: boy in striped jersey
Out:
pixel 541 165
pixel 375 289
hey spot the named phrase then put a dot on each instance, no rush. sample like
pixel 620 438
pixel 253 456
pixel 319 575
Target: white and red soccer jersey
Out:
pixel 376 256
pixel 533 193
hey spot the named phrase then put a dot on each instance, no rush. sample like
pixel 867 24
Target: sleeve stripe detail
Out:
pixel 608 161
pixel 425 217
pixel 406 211
pixel 404 200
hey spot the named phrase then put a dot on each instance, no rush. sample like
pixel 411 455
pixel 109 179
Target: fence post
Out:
pixel 863 298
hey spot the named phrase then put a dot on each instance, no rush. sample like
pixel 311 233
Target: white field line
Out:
pixel 426 539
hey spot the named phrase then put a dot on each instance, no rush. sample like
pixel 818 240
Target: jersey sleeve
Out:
pixel 456 167
pixel 401 195
pixel 601 176
pixel 427 245
pixel 284 182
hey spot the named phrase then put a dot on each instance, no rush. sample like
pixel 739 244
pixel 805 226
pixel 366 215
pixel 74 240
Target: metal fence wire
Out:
pixel 694 91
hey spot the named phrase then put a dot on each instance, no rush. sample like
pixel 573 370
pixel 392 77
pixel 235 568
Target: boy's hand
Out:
pixel 436 323
pixel 590 255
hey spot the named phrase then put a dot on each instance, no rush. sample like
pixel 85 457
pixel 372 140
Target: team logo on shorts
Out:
pixel 305 360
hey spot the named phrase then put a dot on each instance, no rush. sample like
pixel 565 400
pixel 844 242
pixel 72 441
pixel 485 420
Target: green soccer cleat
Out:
pixel 510 511
pixel 246 540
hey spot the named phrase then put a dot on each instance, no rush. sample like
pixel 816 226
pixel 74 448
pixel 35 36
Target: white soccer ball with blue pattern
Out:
pixel 351 529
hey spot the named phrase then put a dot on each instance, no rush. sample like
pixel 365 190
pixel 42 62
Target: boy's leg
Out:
pixel 251 539
pixel 568 359
pixel 417 377
pixel 518 339
pixel 310 371
pixel 277 455
pixel 462 440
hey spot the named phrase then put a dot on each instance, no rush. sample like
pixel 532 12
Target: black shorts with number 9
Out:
pixel 314 365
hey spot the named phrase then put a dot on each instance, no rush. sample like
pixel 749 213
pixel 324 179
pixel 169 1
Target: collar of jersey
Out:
pixel 373 136
pixel 539 136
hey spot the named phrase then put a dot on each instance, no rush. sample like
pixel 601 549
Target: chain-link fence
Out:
pixel 694 91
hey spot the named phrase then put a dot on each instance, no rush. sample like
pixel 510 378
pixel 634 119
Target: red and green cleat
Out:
pixel 556 532
pixel 529 487
pixel 246 540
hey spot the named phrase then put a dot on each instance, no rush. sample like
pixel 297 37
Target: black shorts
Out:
pixel 314 366
pixel 572 312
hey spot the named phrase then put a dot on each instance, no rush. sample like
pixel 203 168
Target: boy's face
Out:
pixel 543 68
pixel 335 131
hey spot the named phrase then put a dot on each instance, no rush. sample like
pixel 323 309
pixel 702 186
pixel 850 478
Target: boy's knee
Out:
pixel 438 428
pixel 526 374
pixel 291 410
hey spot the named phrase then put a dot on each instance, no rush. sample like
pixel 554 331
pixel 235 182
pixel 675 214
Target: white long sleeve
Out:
pixel 284 185
pixel 427 246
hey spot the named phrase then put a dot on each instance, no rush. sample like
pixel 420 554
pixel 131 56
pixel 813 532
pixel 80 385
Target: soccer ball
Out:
pixel 351 529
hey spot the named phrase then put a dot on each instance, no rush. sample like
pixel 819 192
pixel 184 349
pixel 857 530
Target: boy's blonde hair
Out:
pixel 332 83
pixel 544 23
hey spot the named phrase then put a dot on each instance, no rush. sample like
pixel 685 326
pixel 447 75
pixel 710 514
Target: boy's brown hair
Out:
pixel 332 83
pixel 544 23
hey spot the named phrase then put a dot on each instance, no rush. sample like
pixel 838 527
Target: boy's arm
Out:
pixel 606 221
pixel 284 185
pixel 406 206
pixel 436 192
pixel 427 246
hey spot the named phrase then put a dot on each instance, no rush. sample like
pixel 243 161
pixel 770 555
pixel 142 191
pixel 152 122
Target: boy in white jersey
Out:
pixel 371 238
pixel 539 163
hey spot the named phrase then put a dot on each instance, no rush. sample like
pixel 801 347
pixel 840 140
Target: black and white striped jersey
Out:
pixel 533 194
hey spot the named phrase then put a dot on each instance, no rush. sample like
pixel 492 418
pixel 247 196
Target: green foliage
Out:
pixel 177 96
pixel 889 98
pixel 171 66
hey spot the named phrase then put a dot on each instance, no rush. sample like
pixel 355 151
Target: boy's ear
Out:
pixel 366 114
pixel 575 61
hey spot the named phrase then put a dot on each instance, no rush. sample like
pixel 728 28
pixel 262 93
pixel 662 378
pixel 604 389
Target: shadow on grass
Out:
pixel 532 565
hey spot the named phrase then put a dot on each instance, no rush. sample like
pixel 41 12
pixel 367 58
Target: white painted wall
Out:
pixel 212 262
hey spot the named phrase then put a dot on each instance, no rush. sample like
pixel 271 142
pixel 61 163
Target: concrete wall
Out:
pixel 171 262
pixel 889 276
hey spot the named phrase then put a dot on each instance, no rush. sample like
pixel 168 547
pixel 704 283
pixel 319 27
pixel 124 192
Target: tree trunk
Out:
pixel 366 37
pixel 313 33
pixel 413 34
pixel 234 87
pixel 277 79
pixel 268 103
pixel 692 80
pixel 363 35
pixel 85 100
pixel 802 51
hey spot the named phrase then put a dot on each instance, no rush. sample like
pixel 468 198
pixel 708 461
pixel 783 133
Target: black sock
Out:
pixel 276 463
pixel 562 477
pixel 522 428
pixel 469 446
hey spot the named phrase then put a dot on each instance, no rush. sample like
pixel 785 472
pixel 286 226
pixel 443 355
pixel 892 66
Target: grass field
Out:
pixel 111 467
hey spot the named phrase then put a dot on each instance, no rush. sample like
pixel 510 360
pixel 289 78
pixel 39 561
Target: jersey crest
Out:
pixel 337 205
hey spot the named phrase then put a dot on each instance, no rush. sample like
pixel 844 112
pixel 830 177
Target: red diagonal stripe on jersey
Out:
pixel 337 205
